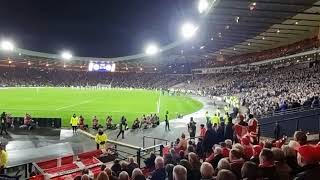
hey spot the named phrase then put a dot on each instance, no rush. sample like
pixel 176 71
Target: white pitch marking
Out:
pixel 158 104
pixel 77 104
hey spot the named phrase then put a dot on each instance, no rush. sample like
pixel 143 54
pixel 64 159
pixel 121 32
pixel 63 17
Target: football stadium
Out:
pixel 160 90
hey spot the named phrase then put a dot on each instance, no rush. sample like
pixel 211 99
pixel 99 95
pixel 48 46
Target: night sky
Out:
pixel 99 28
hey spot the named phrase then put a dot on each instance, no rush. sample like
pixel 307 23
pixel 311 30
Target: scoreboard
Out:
pixel 101 66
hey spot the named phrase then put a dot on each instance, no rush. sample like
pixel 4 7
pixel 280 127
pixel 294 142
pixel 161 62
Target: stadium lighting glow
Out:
pixel 9 61
pixel 152 49
pixel 29 63
pixel 234 49
pixel 188 30
pixel 64 66
pixel 66 55
pixel 203 6
pixel 7 46
pixel 155 69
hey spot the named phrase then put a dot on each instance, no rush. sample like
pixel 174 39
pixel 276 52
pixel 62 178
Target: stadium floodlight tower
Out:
pixel 188 30
pixel 203 6
pixel 66 55
pixel 7 45
pixel 152 49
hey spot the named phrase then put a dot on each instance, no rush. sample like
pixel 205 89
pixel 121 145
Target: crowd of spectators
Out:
pixel 225 159
pixel 15 76
pixel 265 90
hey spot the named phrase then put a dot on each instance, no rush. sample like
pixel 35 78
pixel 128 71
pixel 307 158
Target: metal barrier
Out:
pixel 144 138
pixel 136 151
pixel 289 111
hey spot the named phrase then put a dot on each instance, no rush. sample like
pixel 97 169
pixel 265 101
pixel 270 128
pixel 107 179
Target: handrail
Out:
pixel 154 140
pixel 289 111
pixel 111 141
pixel 289 119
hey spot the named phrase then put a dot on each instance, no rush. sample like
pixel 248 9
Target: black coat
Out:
pixel 228 132
pixel 210 139
pixel 310 172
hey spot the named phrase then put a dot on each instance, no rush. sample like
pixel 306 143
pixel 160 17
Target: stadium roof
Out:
pixel 235 27
pixel 230 27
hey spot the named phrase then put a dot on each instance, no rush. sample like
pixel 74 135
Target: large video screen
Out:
pixel 102 66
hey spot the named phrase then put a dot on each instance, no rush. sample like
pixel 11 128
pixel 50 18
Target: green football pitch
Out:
pixel 63 102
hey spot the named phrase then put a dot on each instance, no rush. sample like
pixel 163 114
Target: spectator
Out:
pixel 223 164
pixel 225 150
pixel 256 152
pixel 116 167
pixel 179 173
pixel 195 165
pixel 291 159
pixel 282 167
pixel 159 173
pixel 150 162
pixel 236 162
pixel 207 171
pixel 300 137
pixel 183 143
pixel 225 174
pixel 308 159
pixel 169 171
pixel 102 176
pixel 185 163
pixel 131 166
pixel 249 171
pixel 136 172
pixel 124 176
pixel 171 158
pixel 267 167
pixel 210 139
pixel 202 131
pixel 215 156
pixel 228 132
pixel 109 173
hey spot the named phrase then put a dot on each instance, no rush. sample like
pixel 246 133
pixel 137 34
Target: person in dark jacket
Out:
pixel 159 173
pixel 210 139
pixel 131 166
pixel 220 132
pixel 122 127
pixel 267 168
pixel 192 128
pixel 116 167
pixel 149 162
pixel 228 132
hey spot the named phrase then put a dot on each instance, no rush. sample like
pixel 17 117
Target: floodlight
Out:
pixel 203 6
pixel 188 30
pixel 152 49
pixel 7 46
pixel 66 55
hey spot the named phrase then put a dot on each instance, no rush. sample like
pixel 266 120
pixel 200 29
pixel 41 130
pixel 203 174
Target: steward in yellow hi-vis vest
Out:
pixel 74 121
pixel 215 119
pixel 101 139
